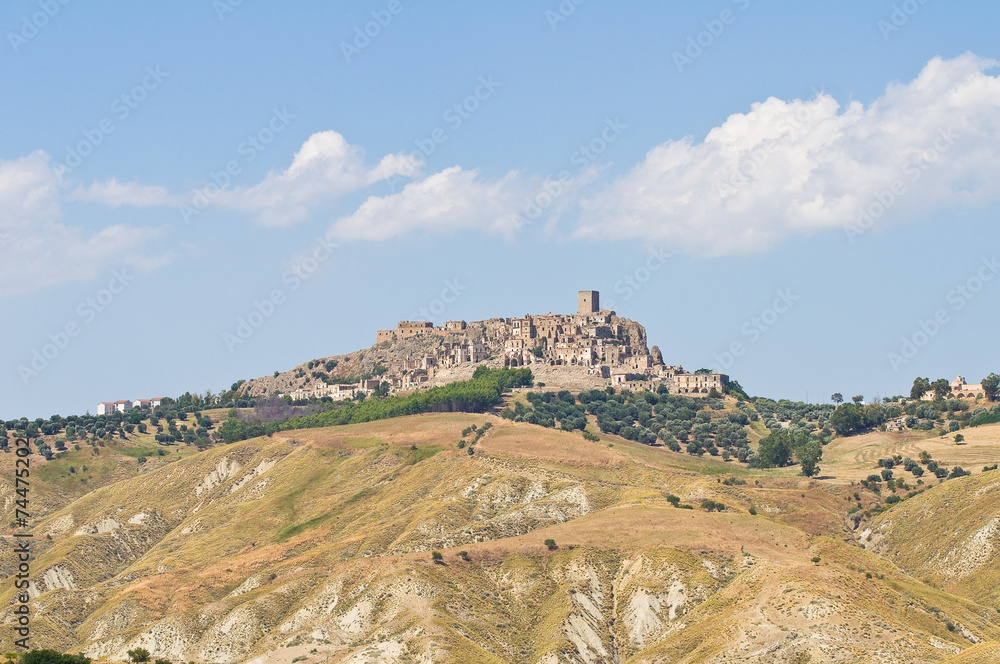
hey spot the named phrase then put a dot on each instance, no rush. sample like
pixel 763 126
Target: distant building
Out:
pixel 898 424
pixel 588 302
pixel 958 389
pixel 125 405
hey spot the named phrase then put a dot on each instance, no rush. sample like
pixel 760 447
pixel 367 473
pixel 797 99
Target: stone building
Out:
pixel 588 302
pixel 959 390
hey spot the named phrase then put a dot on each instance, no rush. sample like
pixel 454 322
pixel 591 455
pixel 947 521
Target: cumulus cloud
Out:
pixel 796 167
pixel 451 200
pixel 325 168
pixel 38 251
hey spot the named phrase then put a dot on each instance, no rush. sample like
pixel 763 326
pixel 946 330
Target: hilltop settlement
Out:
pixel 593 345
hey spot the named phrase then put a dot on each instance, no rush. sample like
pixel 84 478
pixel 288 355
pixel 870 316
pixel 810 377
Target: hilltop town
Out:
pixel 594 346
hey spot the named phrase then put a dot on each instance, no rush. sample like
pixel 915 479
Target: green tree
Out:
pixel 991 386
pixel 941 388
pixel 774 451
pixel 837 398
pixel 550 544
pixel 846 419
pixel 959 438
pixel 858 398
pixel 809 457
pixel 138 655
pixel 920 387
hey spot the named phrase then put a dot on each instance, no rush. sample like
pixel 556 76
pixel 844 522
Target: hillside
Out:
pixel 315 545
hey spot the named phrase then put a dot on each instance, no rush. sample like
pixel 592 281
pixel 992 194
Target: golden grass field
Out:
pixel 316 546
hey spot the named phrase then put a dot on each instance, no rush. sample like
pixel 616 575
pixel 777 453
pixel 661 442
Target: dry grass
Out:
pixel 358 507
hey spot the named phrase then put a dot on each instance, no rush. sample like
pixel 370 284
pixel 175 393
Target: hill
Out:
pixel 316 545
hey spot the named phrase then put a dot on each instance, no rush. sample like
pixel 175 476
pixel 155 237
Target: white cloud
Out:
pixel 28 191
pixel 325 168
pixel 113 193
pixel 37 251
pixel 445 202
pixel 798 167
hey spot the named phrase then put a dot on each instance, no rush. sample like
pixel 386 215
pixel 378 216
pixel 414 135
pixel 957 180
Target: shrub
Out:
pixel 673 500
pixel 50 657
pixel 550 544
pixel 436 556
pixel 138 655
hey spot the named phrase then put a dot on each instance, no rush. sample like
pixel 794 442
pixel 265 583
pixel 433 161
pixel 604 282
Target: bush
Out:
pixel 673 500
pixel 712 506
pixel 550 544
pixel 138 655
pixel 52 657
pixel 436 556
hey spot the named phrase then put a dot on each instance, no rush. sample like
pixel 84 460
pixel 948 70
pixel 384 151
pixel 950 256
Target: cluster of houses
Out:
pixel 607 346
pixel 336 392
pixel 125 405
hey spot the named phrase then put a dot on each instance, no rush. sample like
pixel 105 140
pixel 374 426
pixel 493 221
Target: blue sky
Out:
pixel 715 155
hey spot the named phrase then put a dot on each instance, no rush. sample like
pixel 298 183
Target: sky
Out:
pixel 802 195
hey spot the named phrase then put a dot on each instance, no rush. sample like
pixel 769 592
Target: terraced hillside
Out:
pixel 318 546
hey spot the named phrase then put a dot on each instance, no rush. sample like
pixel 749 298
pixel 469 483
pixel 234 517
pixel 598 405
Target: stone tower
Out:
pixel 588 302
